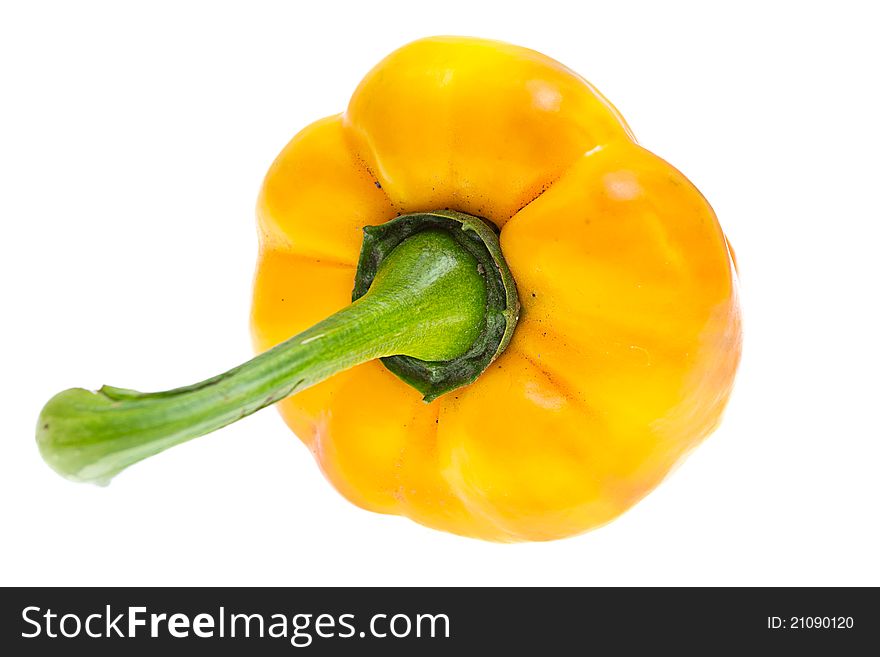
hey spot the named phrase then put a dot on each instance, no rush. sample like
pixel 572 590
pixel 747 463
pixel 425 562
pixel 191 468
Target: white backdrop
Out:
pixel 132 144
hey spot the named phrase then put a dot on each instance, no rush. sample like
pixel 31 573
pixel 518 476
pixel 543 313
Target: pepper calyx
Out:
pixel 480 238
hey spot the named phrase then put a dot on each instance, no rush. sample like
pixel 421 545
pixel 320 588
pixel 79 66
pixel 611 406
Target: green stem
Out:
pixel 427 301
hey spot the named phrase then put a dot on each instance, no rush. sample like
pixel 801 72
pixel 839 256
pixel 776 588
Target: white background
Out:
pixel 132 144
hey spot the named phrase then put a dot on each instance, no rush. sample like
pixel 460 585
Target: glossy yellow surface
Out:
pixel 629 338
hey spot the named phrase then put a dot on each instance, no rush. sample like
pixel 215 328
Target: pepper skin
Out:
pixel 629 335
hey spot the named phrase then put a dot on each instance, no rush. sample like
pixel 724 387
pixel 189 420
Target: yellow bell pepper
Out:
pixel 628 334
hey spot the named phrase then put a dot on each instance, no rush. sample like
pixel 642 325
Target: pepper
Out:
pixel 545 315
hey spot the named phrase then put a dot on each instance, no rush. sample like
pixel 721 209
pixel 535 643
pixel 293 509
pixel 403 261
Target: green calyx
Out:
pixel 479 238
pixel 433 299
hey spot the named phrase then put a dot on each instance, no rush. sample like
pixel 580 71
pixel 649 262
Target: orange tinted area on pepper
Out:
pixel 629 336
